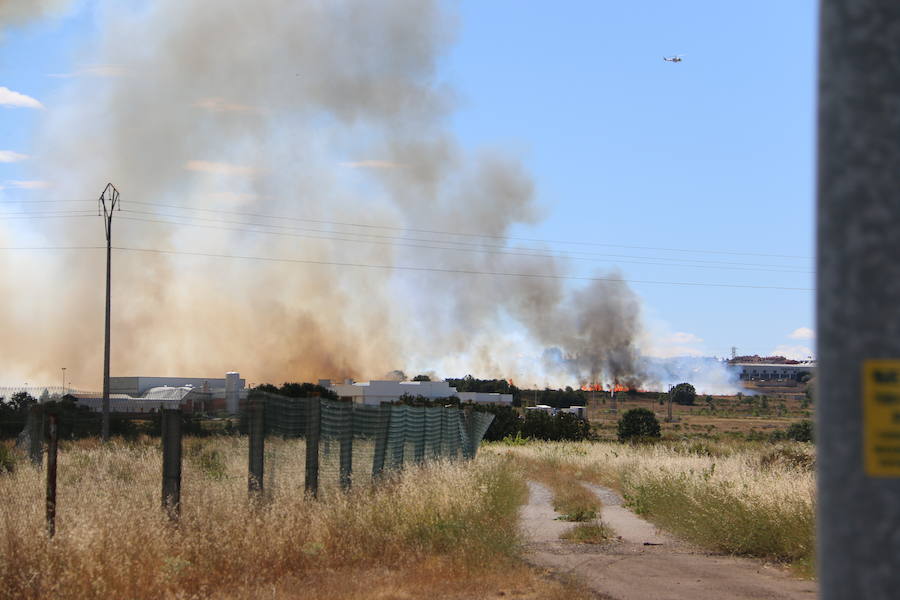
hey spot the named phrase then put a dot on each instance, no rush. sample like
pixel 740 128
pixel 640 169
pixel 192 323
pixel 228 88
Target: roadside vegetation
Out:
pixel 754 499
pixel 444 529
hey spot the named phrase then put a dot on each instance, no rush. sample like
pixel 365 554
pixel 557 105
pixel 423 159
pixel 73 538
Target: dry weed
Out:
pixel 731 498
pixel 113 541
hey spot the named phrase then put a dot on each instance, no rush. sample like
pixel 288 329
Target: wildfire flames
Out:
pixel 596 387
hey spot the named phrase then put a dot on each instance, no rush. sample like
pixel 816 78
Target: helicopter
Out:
pixel 675 59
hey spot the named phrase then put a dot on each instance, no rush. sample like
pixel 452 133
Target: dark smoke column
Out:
pixel 858 299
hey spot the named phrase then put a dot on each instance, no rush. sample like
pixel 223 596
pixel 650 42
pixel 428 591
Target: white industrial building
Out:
pixel 375 392
pixel 152 400
pixel 148 394
pixel 224 393
pixel 774 371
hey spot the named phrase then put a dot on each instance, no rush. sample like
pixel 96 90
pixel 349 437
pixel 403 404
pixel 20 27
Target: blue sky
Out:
pixel 711 158
pixel 714 153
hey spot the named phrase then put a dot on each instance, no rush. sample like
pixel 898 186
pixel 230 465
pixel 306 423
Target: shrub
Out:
pixel 506 424
pixel 683 393
pixel 539 425
pixel 802 431
pixel 638 423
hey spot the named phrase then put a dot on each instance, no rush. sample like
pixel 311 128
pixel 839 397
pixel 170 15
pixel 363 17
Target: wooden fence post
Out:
pixel 171 459
pixel 53 435
pixel 313 432
pixel 257 446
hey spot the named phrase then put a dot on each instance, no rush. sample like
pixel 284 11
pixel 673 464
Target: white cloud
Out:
pixel 220 168
pixel 793 352
pixel 93 71
pixel 11 98
pixel 671 345
pixel 680 337
pixel 29 185
pixel 802 333
pixel 371 164
pixel 221 105
pixel 8 156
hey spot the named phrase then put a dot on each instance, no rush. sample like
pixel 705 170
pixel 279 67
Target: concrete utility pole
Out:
pixel 858 299
pixel 110 195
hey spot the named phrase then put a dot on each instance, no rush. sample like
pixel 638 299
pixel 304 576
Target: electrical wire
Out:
pixel 454 271
pixel 457 233
pixel 408 267
pixel 432 231
pixel 469 247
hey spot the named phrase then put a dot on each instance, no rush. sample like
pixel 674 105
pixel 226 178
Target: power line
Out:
pixel 455 271
pixel 432 231
pixel 477 248
pixel 465 234
pixel 47 215
pixel 53 248
pixel 408 268
pixel 43 201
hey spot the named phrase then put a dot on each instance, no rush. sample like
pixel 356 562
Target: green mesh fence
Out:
pixel 347 442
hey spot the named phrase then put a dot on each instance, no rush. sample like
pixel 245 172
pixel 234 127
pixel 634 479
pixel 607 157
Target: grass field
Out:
pixel 443 530
pixel 745 416
pixel 755 499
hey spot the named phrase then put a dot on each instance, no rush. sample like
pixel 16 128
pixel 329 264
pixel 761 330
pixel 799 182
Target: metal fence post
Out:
pixel 256 445
pixel 313 431
pixel 53 438
pixel 381 440
pixel 346 446
pixel 171 459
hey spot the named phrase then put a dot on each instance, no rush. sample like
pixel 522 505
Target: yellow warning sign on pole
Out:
pixel 881 417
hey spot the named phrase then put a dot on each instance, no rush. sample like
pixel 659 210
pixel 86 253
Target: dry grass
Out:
pixel 752 499
pixel 571 500
pixel 438 526
pixel 588 533
pixel 437 579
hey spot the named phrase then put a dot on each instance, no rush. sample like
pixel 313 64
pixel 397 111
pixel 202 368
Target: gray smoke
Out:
pixel 324 111
pixel 17 12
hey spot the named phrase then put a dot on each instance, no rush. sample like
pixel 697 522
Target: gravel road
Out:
pixel 645 564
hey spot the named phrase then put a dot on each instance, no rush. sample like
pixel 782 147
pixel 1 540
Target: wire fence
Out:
pixel 344 443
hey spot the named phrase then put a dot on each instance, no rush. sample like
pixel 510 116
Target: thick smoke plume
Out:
pixel 324 113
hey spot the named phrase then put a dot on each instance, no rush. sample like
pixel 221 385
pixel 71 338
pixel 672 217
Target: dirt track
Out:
pixel 628 569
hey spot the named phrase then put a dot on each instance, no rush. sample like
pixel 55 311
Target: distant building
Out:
pixel 757 371
pixel 154 399
pixel 135 395
pixel 224 393
pixel 578 411
pixel 377 391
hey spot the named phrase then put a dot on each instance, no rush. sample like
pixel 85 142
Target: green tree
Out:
pixel 801 431
pixel 683 393
pixel 637 424
pixel 507 422
pixel 421 378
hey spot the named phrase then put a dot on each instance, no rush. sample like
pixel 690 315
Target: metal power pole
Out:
pixel 858 299
pixel 109 200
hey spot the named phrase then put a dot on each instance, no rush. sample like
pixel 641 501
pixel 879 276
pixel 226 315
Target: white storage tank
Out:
pixel 232 391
